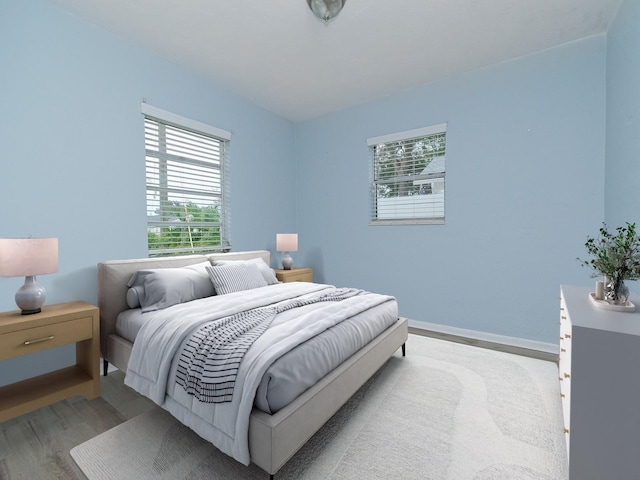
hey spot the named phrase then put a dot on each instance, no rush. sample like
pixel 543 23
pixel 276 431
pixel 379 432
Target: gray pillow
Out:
pixel 134 294
pixel 266 271
pixel 235 277
pixel 160 288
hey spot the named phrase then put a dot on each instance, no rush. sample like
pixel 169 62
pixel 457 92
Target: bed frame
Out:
pixel 273 439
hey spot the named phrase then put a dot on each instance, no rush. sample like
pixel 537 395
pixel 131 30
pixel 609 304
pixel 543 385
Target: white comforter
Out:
pixel 151 369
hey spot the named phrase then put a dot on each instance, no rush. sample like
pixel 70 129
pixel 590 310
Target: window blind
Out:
pixel 408 173
pixel 187 187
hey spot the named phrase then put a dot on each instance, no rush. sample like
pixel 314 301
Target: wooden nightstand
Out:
pixel 296 274
pixel 56 325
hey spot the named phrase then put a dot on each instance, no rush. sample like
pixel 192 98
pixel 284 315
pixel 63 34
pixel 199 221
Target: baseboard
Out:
pixel 502 343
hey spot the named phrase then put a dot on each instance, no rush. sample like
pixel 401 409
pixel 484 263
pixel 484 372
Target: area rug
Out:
pixel 445 411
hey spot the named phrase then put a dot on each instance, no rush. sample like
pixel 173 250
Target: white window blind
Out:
pixel 408 172
pixel 187 185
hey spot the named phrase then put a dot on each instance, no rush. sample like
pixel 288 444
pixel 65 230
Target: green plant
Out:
pixel 616 255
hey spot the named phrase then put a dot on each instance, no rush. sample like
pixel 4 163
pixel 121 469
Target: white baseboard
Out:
pixel 548 350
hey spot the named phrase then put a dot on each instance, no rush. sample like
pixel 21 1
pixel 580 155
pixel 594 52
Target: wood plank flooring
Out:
pixel 36 445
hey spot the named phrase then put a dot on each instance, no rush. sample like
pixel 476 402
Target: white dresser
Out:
pixel 599 372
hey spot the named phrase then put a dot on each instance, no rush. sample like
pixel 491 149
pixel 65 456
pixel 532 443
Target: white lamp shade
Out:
pixel 22 257
pixel 287 242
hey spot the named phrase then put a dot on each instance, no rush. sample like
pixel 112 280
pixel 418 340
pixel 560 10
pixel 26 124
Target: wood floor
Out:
pixel 36 446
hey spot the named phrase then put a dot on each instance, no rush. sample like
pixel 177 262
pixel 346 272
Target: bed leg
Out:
pixel 105 367
pixel 271 477
pixel 404 352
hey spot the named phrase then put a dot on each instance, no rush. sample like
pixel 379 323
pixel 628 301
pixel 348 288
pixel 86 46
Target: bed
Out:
pixel 272 436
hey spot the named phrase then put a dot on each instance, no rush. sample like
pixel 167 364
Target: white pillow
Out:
pixel 235 277
pixel 266 271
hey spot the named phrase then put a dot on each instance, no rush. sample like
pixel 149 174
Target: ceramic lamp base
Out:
pixel 287 261
pixel 31 296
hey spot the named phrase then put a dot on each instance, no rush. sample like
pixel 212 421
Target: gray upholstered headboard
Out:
pixel 113 276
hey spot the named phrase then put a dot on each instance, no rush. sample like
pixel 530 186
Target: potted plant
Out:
pixel 616 256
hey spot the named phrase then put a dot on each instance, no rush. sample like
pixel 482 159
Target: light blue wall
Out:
pixel 72 151
pixel 622 178
pixel 525 172
pixel 524 186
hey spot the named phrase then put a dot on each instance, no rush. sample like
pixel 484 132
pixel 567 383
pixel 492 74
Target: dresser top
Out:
pixel 584 314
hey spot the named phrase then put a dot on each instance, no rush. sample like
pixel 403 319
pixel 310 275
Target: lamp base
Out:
pixel 287 261
pixel 31 296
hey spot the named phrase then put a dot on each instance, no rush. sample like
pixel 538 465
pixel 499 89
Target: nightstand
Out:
pixel 296 274
pixel 56 325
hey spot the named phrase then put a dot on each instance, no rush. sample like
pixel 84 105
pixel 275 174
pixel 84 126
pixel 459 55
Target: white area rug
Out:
pixel 445 411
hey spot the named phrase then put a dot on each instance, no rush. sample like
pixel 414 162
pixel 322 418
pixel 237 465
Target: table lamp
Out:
pixel 287 242
pixel 29 257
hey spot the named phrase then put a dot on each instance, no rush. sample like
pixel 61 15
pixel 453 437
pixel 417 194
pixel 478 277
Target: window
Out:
pixel 408 169
pixel 187 184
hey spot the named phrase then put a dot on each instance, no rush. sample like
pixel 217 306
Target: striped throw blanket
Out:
pixel 208 364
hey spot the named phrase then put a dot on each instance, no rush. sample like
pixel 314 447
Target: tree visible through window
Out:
pixel 185 183
pixel 408 171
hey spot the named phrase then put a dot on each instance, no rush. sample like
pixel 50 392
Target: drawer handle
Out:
pixel 566 335
pixel 561 338
pixel 563 350
pixel 562 395
pixel 43 339
pixel 560 378
pixel 566 375
pixel 562 309
pixel 563 317
pixel 566 430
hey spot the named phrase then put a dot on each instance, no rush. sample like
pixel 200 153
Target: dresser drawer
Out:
pixel 564 362
pixel 31 340
pixel 565 340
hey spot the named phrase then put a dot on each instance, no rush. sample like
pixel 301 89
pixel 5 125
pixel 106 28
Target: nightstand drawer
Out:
pixel 299 277
pixel 31 340
pixel 296 274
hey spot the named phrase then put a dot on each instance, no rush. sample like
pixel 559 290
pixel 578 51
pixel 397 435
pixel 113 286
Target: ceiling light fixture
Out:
pixel 325 10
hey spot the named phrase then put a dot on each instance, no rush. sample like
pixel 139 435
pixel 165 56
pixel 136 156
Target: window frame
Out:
pixel 167 161
pixel 408 136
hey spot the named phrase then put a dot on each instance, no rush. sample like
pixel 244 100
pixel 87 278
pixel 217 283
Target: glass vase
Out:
pixel 616 292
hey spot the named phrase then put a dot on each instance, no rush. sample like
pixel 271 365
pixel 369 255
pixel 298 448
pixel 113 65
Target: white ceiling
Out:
pixel 278 55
